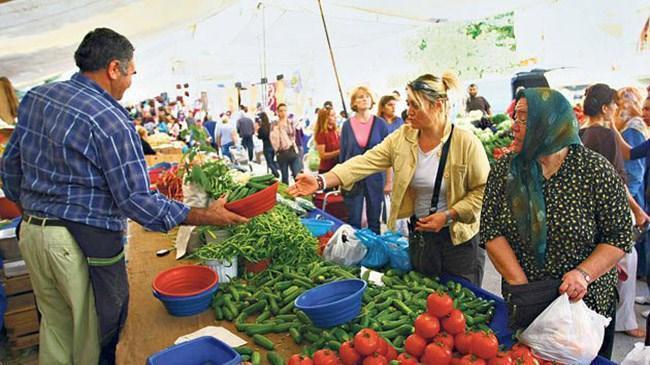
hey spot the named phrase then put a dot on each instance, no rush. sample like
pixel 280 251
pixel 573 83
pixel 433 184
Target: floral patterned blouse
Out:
pixel 586 204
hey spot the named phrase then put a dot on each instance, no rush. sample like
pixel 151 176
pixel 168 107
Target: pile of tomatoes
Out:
pixel 441 337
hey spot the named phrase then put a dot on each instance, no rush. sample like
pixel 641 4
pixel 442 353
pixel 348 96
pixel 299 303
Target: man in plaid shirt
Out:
pixel 75 166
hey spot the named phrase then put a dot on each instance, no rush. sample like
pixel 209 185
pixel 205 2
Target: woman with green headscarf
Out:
pixel 555 216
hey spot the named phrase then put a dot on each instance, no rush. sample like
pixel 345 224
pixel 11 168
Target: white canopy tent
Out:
pixel 220 42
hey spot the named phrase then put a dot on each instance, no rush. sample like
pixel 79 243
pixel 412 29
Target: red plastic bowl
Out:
pixel 185 280
pixel 255 204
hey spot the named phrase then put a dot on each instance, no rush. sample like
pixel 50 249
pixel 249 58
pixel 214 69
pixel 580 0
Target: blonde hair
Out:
pixel 431 88
pixel 356 92
pixel 322 120
pixel 631 101
pixel 11 97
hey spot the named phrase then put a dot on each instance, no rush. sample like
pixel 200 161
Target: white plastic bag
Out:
pixel 640 355
pixel 566 332
pixel 195 196
pixel 344 248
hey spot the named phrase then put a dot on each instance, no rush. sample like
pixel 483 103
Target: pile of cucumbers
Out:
pixel 264 303
pixel 255 184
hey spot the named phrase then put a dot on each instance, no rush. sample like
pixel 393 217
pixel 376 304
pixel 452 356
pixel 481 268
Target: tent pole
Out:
pixel 329 45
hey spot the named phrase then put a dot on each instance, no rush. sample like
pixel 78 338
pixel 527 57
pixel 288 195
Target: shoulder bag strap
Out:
pixel 441 170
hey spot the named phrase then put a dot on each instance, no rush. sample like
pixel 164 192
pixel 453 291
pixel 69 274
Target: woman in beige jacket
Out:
pixel 444 232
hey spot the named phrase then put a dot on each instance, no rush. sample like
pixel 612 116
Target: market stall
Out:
pixel 263 304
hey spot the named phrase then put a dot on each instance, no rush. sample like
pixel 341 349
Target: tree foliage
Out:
pixel 472 49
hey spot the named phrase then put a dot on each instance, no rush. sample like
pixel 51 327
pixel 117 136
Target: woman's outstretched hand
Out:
pixel 305 185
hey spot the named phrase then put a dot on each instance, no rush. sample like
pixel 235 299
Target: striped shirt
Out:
pixel 75 155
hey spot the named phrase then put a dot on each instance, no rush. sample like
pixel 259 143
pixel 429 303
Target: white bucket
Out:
pixel 225 270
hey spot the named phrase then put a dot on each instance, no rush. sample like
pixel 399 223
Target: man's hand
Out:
pixel 574 284
pixel 222 216
pixel 431 223
pixel 305 185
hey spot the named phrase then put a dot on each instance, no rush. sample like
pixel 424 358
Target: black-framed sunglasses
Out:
pixel 423 86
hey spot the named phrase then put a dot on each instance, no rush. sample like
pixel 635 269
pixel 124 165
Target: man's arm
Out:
pixel 122 163
pixel 215 215
pixel 10 167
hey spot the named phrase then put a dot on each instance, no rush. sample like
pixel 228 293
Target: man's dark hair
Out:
pixel 282 105
pixel 100 47
pixel 472 85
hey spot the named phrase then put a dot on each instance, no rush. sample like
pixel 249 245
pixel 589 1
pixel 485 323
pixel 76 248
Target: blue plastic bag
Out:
pixel 397 249
pixel 376 256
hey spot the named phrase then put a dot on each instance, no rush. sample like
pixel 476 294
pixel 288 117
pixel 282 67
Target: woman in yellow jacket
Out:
pixel 444 231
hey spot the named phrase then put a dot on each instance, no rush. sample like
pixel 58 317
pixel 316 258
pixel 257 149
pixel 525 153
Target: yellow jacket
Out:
pixel 465 173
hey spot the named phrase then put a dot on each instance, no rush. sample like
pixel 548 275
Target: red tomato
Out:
pixel 298 359
pixel 485 345
pixel 454 323
pixel 472 360
pixel 436 354
pixel 415 345
pixel 427 326
pixel 439 304
pixel 463 342
pixel 366 341
pixel 445 339
pixel 502 358
pixel 522 355
pixel 456 358
pixel 382 349
pixel 391 354
pixel 325 357
pixel 375 359
pixel 349 356
pixel 406 359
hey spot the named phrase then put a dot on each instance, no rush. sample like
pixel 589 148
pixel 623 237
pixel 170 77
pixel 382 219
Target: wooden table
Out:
pixel 149 328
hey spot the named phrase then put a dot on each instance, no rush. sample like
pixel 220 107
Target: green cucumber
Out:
pixel 295 334
pixel 243 350
pixel 256 358
pixel 274 358
pixel 264 342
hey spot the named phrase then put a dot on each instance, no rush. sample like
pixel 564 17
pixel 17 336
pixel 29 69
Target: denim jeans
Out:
pixel 269 156
pixel 247 142
pixel 225 149
pixel 284 168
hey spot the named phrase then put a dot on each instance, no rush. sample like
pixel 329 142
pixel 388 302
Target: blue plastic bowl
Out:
pixel 199 351
pixel 189 305
pixel 161 165
pixel 334 303
pixel 317 227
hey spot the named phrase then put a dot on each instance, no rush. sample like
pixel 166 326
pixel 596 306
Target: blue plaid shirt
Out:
pixel 75 155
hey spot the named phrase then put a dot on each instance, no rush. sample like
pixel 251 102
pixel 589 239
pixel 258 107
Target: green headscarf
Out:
pixel 551 126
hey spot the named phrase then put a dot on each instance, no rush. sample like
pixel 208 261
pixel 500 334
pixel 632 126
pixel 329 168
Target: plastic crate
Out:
pixel 602 361
pixel 199 351
pixel 499 322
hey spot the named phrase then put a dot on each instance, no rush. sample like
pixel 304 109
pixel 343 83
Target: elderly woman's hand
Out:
pixel 432 223
pixel 574 284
